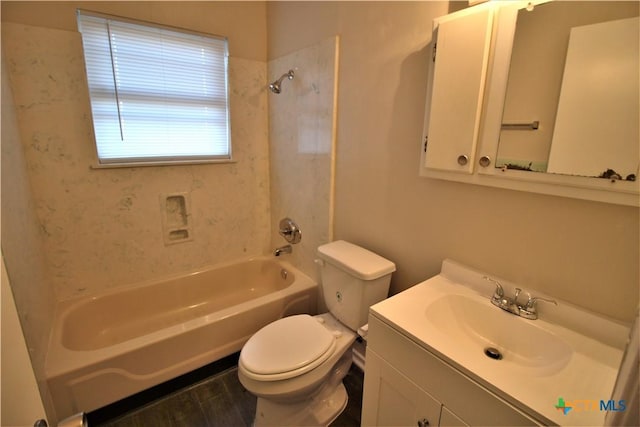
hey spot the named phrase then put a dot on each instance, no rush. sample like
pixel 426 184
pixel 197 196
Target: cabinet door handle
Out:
pixel 485 161
pixel 463 159
pixel 423 422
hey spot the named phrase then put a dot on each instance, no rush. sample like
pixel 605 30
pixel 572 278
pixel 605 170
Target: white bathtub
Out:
pixel 108 346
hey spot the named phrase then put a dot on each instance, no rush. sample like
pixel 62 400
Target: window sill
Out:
pixel 159 163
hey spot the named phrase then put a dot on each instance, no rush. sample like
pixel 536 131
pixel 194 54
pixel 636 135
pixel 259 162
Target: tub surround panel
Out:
pixel 302 134
pixel 22 247
pixel 103 227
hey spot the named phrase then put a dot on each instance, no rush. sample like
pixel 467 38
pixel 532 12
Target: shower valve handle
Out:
pixel 290 231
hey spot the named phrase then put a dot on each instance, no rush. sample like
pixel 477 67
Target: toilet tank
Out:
pixel 353 279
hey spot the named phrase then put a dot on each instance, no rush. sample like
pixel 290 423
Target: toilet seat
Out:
pixel 287 348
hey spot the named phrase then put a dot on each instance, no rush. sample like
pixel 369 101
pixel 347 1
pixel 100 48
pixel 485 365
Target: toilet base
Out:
pixel 319 410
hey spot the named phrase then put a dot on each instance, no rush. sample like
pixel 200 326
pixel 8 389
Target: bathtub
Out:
pixel 108 346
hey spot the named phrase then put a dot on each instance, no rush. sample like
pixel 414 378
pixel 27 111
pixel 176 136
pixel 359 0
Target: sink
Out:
pixel 567 352
pixel 486 331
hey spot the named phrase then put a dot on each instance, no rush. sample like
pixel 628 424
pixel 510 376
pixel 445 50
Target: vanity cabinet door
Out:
pixel 445 385
pixel 391 399
pixel 458 73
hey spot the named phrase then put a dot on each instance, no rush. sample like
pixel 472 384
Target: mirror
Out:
pixel 572 99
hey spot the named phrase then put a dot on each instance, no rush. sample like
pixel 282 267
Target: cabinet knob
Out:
pixel 485 161
pixel 463 159
pixel 423 422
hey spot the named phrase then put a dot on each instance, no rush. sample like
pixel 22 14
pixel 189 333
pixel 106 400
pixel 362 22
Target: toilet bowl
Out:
pixel 295 365
pixel 304 388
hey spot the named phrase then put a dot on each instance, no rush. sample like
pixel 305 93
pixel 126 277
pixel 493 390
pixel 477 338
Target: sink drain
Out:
pixel 493 353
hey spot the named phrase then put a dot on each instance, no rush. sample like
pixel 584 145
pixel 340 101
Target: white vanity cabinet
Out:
pixel 406 384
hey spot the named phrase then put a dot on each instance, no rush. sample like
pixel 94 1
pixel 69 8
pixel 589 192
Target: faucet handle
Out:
pixel 499 292
pixel 531 303
pixel 515 296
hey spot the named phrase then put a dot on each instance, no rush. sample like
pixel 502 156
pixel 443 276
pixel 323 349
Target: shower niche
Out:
pixel 176 218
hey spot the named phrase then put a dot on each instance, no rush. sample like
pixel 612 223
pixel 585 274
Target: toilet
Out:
pixel 295 365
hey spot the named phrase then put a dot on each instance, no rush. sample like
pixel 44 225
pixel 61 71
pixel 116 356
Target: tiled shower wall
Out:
pixel 302 146
pixel 102 228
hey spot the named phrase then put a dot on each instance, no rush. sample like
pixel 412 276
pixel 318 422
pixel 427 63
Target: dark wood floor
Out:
pixel 211 397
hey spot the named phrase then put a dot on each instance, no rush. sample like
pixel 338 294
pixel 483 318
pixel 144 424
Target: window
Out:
pixel 158 95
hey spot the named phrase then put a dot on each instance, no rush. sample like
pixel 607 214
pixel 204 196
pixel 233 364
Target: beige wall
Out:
pixel 579 251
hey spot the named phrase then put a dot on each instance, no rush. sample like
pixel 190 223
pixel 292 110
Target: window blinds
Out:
pixel 157 94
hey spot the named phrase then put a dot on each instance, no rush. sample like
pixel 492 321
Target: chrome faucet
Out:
pixel 528 311
pixel 287 249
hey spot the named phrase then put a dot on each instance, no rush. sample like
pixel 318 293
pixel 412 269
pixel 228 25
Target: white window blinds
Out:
pixel 157 94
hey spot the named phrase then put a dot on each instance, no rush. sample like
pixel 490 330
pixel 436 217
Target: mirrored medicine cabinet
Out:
pixel 538 96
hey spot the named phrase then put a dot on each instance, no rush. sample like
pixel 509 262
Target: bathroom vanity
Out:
pixel 440 353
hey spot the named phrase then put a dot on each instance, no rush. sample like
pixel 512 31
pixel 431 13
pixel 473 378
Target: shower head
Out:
pixel 275 86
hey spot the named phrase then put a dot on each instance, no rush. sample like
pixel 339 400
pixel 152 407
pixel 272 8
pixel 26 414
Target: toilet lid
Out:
pixel 287 348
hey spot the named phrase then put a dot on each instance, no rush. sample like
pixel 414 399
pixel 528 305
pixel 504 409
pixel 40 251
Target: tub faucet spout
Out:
pixel 287 249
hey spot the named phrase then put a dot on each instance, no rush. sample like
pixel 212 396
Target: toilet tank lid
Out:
pixel 358 261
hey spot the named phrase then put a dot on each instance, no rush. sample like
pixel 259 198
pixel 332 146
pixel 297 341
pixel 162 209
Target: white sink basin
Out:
pixel 567 352
pixel 476 324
